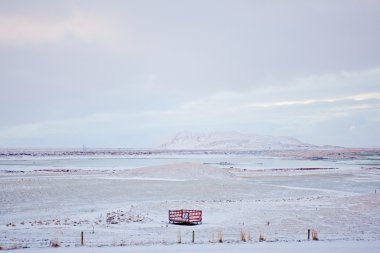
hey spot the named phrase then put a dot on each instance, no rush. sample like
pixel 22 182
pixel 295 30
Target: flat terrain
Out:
pixel 285 247
pixel 130 207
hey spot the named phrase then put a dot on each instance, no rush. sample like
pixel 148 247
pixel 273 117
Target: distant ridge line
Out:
pixel 235 141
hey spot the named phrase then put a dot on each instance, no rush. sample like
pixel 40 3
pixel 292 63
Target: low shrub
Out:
pixel 54 244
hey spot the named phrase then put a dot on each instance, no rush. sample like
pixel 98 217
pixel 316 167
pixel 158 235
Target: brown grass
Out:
pixel 261 237
pixel 314 235
pixel 242 235
pixel 249 236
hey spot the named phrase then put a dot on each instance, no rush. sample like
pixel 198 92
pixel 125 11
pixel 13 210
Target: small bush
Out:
pixel 54 244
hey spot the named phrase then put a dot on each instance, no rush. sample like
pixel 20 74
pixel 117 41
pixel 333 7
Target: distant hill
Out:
pixel 233 140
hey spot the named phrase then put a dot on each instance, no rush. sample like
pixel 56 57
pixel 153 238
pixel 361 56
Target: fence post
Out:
pixel 308 234
pixel 81 239
pixel 193 236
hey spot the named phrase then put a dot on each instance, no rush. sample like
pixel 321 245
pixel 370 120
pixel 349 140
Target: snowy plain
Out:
pixel 128 208
pixel 288 247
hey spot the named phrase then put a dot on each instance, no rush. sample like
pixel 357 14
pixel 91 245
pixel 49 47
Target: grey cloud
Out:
pixel 183 65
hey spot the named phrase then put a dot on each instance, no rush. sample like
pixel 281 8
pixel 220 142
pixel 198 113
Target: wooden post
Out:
pixel 193 236
pixel 308 234
pixel 81 239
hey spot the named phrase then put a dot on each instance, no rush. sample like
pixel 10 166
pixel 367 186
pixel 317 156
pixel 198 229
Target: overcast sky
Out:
pixel 133 73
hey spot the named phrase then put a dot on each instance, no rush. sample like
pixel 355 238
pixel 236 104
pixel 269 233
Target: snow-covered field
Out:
pixel 288 247
pixel 130 208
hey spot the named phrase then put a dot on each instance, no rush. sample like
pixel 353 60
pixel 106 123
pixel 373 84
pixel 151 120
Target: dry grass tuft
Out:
pixel 249 236
pixel 242 236
pixel 314 235
pixel 54 244
pixel 212 240
pixel 261 237
pixel 179 237
pixel 220 237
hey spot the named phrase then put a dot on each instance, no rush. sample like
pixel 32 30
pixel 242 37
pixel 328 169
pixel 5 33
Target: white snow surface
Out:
pixel 233 141
pixel 129 208
pixel 289 247
pixel 182 171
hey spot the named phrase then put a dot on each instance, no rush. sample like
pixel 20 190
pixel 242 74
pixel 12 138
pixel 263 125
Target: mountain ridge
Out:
pixel 233 140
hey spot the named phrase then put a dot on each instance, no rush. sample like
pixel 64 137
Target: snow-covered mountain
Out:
pixel 233 140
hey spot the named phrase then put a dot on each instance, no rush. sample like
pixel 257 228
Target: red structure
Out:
pixel 188 217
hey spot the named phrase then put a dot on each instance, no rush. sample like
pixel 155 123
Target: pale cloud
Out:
pixel 96 130
pixel 358 97
pixel 84 26
pixel 365 96
pixel 43 128
pixel 327 88
pixel 300 112
pixel 330 89
pixel 119 72
pixel 291 109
